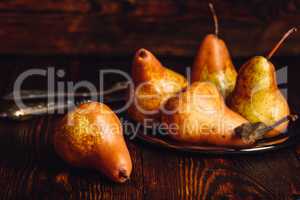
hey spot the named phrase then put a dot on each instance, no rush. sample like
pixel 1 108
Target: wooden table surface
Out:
pixel 30 169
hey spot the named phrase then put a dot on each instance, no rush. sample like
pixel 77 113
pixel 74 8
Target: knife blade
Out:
pixel 42 94
pixel 11 111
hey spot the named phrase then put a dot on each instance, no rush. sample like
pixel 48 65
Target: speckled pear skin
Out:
pixel 257 97
pixel 91 137
pixel 200 116
pixel 213 63
pixel 154 84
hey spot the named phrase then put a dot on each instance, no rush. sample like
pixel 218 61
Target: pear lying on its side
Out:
pixel 154 84
pixel 257 97
pixel 91 137
pixel 200 116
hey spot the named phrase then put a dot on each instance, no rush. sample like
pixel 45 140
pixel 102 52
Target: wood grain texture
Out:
pixel 170 27
pixel 30 169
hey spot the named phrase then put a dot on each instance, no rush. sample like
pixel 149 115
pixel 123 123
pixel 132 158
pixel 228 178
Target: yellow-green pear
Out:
pixel 256 95
pixel 213 63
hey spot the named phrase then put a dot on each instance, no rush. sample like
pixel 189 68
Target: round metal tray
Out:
pixel 160 140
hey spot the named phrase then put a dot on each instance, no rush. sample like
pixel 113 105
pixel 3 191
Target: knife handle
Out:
pixel 35 109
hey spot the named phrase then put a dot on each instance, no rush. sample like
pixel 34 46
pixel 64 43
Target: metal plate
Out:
pixel 160 140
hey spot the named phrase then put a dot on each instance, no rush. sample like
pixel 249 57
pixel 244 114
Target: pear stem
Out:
pixel 215 18
pixel 285 36
pixel 252 132
pixel 143 53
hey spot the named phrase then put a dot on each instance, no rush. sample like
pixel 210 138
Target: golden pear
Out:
pixel 213 63
pixel 154 84
pixel 200 116
pixel 91 136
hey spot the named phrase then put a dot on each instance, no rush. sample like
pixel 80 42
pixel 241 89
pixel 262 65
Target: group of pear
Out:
pixel 206 110
pixel 216 102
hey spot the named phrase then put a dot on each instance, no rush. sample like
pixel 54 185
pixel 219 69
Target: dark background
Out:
pixel 83 36
pixel 168 27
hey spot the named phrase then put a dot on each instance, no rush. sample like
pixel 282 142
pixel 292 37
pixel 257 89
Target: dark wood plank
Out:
pixel 36 172
pixel 45 6
pixel 219 177
pixel 166 27
pixel 298 151
pixel 30 169
pixel 261 9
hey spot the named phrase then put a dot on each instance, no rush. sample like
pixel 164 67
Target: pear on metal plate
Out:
pixel 256 95
pixel 154 84
pixel 213 62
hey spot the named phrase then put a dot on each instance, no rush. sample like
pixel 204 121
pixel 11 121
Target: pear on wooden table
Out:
pixel 91 136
